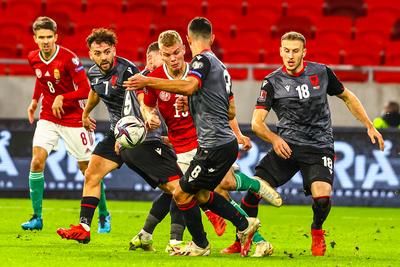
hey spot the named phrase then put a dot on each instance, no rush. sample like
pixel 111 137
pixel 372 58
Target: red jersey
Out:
pixel 181 130
pixel 62 74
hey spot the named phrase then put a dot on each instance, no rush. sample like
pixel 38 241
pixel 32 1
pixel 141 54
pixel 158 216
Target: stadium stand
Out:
pixel 338 31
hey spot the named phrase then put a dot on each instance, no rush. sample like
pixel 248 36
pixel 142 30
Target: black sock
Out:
pixel 192 217
pixel 321 208
pixel 250 204
pixel 88 206
pixel 220 206
pixel 177 222
pixel 159 210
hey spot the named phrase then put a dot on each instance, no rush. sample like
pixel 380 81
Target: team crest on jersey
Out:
pixel 197 65
pixel 165 96
pixel 114 79
pixel 263 96
pixel 75 60
pixel 314 81
pixel 38 73
pixel 57 74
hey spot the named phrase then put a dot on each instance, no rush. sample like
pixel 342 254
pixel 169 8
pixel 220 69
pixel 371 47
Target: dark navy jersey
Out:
pixel 109 86
pixel 210 103
pixel 300 103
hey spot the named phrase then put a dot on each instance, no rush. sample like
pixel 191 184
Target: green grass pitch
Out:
pixel 355 237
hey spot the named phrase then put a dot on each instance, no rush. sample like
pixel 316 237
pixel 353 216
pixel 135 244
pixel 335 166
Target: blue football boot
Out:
pixel 35 223
pixel 104 224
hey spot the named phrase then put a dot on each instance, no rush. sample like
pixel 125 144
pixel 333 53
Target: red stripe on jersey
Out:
pixel 298 73
pixel 261 107
pixel 316 198
pixel 248 205
pixel 173 178
pixel 197 77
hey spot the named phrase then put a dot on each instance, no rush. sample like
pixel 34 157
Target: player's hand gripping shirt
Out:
pixel 210 103
pixel 301 103
pixel 181 130
pixel 62 74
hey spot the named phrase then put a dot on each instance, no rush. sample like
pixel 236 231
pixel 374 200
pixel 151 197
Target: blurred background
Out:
pixel 358 39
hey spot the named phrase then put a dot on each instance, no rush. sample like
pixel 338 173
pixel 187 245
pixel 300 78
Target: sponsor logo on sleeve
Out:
pixel 38 73
pixel 75 60
pixel 263 96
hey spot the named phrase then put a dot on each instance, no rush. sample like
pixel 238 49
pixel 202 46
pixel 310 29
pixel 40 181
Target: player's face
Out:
pixel 46 41
pixel 292 53
pixel 103 55
pixel 153 60
pixel 174 57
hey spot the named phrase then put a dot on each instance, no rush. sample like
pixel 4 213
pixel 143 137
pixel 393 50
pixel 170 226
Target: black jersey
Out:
pixel 109 86
pixel 210 104
pixel 300 103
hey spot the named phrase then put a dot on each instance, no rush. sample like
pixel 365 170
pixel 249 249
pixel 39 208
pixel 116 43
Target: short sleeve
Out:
pixel 75 69
pixel 150 97
pixel 199 68
pixel 265 99
pixel 335 87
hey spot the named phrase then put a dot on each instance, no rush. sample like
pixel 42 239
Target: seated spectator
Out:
pixel 390 117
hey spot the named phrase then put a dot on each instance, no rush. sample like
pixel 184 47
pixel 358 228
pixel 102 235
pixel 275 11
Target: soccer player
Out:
pixel 60 83
pixel 182 132
pixel 208 86
pixel 152 159
pixel 297 92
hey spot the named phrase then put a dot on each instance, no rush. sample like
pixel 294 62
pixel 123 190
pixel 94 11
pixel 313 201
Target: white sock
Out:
pixel 145 235
pixel 85 226
pixel 175 242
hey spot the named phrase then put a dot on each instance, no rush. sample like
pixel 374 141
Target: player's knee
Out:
pixel 228 183
pixel 92 178
pixel 203 196
pixel 37 164
pixel 320 188
pixel 181 197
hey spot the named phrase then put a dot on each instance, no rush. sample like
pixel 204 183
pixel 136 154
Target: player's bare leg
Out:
pixel 97 169
pixel 321 192
pixel 36 187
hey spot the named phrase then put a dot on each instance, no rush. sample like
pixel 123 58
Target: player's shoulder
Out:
pixel 315 67
pixel 67 53
pixel 273 74
pixel 33 54
pixel 93 71
pixel 125 65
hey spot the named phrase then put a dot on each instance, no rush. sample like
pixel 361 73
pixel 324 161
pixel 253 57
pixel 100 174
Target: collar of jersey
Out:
pixel 52 58
pixel 206 50
pixel 296 74
pixel 172 78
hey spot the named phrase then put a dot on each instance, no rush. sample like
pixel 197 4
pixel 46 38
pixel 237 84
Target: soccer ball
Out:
pixel 130 131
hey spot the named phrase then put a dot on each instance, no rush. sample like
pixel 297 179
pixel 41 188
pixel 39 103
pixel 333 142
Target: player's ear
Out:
pixel 184 49
pixel 304 52
pixel 55 37
pixel 189 39
pixel 212 39
pixel 34 38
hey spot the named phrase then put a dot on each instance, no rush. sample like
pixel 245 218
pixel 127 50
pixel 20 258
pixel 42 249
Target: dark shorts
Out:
pixel 154 161
pixel 315 164
pixel 209 167
pixel 105 149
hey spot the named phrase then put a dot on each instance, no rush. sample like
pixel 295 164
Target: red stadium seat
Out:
pixel 353 8
pixel 270 10
pixel 300 24
pixel 188 9
pixel 101 6
pixel 26 5
pixel 363 54
pixel 369 31
pixel 396 30
pixel 323 54
pixel 152 6
pixel 69 7
pixel 304 9
pixel 337 29
pixel 20 70
pixel 392 59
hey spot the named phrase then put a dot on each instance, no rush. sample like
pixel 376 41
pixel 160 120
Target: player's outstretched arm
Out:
pixel 87 122
pixel 356 108
pixel 261 129
pixel 182 87
pixel 233 123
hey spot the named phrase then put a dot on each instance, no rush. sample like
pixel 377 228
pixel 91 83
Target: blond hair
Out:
pixel 294 36
pixel 169 38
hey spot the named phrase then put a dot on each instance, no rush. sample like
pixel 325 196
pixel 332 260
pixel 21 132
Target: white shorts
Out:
pixel 185 158
pixel 78 141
